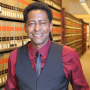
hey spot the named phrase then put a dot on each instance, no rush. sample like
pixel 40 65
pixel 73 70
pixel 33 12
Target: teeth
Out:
pixel 37 34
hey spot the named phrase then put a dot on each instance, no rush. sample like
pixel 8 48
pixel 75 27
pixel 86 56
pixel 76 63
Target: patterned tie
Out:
pixel 38 65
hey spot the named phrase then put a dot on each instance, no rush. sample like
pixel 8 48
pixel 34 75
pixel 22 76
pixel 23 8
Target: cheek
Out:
pixel 29 30
pixel 46 29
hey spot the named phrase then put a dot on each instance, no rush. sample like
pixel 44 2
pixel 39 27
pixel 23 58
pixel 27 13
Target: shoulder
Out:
pixel 56 45
pixel 13 54
pixel 69 53
pixel 67 49
pixel 13 58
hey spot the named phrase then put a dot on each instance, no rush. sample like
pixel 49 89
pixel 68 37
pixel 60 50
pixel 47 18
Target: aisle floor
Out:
pixel 85 61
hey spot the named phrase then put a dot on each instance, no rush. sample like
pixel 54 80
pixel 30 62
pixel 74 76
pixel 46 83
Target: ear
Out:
pixel 51 26
pixel 25 28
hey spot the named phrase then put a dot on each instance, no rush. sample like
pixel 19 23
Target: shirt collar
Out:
pixel 43 51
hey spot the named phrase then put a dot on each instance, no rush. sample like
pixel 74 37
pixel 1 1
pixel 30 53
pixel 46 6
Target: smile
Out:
pixel 37 35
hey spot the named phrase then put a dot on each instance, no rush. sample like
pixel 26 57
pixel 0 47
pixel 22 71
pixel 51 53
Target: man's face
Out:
pixel 38 27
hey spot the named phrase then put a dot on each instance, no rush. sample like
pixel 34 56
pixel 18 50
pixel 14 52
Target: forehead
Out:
pixel 37 13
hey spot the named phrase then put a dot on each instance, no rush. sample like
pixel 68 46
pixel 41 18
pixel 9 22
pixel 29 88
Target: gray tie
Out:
pixel 38 65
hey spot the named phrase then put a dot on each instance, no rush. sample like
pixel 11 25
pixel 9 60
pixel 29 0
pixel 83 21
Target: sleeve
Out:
pixel 11 83
pixel 76 77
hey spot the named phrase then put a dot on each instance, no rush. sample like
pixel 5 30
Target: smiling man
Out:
pixel 38 28
pixel 42 64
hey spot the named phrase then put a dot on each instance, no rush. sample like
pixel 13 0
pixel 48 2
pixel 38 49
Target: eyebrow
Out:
pixel 31 21
pixel 34 21
pixel 41 20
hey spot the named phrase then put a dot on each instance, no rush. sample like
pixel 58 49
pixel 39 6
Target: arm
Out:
pixel 73 69
pixel 11 83
pixel 76 77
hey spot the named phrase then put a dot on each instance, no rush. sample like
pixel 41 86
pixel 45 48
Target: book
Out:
pixel 18 34
pixel 16 37
pixel 20 7
pixel 25 3
pixel 56 14
pixel 2 8
pixel 2 68
pixel 56 4
pixel 0 36
pixel 11 34
pixel 6 57
pixel 7 30
pixel 4 33
pixel 5 7
pixel 56 22
pixel 9 11
pixel 18 14
pixel 57 1
pixel 13 8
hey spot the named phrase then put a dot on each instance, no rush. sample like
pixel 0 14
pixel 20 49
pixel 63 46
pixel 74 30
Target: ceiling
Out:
pixel 75 8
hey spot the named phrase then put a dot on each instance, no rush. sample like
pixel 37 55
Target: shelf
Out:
pixel 72 24
pixel 72 17
pixel 8 50
pixel 10 18
pixel 56 40
pixel 73 35
pixel 73 41
pixel 2 84
pixel 73 21
pixel 51 5
pixel 72 27
pixel 56 25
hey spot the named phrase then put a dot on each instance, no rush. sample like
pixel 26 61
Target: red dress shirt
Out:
pixel 71 65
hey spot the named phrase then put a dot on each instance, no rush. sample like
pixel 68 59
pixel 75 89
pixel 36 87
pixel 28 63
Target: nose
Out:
pixel 37 27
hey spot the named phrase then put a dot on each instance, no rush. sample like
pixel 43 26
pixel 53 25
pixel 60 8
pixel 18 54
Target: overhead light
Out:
pixel 85 4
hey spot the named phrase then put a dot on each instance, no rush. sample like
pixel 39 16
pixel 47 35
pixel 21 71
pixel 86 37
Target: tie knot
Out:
pixel 38 54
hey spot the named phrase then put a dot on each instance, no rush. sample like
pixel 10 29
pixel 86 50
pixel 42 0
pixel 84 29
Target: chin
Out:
pixel 39 42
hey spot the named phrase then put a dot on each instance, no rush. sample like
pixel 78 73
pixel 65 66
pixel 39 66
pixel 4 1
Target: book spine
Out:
pixel 4 33
pixel 0 36
pixel 2 69
pixel 15 34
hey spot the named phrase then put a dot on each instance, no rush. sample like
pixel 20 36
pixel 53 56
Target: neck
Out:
pixel 38 46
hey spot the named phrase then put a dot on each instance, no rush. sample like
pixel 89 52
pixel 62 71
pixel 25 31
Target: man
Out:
pixel 59 64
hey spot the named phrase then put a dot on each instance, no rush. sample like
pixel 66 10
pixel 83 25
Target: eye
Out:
pixel 31 24
pixel 42 23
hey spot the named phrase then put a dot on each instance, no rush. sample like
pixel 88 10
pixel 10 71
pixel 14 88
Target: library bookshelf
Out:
pixel 74 32
pixel 12 32
pixel 84 37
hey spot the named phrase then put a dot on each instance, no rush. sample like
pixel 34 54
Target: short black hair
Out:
pixel 38 5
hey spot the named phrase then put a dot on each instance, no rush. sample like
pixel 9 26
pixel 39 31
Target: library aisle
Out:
pixel 85 61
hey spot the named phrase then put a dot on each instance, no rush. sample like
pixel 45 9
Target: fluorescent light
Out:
pixel 85 5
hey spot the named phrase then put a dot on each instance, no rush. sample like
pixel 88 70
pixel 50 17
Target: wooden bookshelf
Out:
pixel 84 37
pixel 10 18
pixel 8 50
pixel 12 33
pixel 72 31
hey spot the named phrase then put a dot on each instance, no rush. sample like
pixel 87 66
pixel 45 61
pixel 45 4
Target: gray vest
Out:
pixel 52 76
